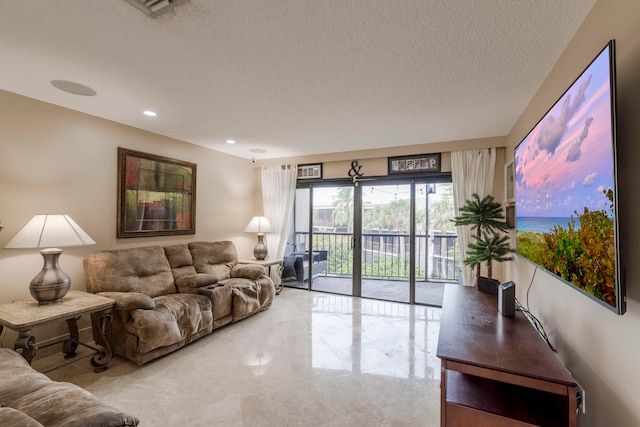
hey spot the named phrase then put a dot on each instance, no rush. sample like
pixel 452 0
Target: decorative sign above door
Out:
pixel 414 164
pixel 310 171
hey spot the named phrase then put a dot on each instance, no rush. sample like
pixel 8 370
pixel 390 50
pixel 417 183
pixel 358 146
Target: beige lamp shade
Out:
pixel 50 232
pixel 259 224
pixel 45 231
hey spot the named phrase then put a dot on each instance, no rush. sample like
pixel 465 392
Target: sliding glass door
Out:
pixel 320 255
pixel 436 243
pixel 293 273
pixel 384 239
pixel 333 239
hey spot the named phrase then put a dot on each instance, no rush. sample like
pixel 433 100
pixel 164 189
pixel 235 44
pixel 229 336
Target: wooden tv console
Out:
pixel 496 370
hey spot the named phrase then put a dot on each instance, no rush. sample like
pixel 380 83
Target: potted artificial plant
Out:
pixel 490 243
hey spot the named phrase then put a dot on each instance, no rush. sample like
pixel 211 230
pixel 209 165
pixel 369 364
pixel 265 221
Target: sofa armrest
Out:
pixel 248 271
pixel 191 283
pixel 128 301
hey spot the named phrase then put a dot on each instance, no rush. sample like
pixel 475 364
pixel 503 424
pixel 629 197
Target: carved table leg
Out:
pixel 70 346
pixel 102 358
pixel 26 345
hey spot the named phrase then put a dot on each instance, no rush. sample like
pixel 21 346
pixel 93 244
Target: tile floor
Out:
pixel 427 293
pixel 312 359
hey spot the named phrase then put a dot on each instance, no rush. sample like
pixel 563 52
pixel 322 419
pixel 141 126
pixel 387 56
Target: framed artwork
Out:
pixel 415 164
pixel 156 195
pixel 310 171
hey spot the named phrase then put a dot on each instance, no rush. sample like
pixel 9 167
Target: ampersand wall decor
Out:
pixel 355 172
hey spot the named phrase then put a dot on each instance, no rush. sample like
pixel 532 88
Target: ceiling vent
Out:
pixel 153 8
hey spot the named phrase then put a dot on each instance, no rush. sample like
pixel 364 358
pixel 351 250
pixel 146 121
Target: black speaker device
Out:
pixel 507 299
pixel 487 285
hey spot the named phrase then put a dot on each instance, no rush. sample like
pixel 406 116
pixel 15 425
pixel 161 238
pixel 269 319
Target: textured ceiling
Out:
pixel 292 77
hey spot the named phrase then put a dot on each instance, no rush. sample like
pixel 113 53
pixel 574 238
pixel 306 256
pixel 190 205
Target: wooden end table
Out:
pixel 274 268
pixel 23 315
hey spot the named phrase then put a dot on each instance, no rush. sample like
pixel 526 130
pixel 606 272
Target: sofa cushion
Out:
pixel 180 260
pixel 178 255
pixel 215 258
pixel 17 376
pixel 13 417
pixel 145 270
pixel 129 300
pixel 174 318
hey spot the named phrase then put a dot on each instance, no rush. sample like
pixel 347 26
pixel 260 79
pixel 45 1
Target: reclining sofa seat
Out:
pixel 167 297
pixel 29 398
pixel 150 318
pixel 211 268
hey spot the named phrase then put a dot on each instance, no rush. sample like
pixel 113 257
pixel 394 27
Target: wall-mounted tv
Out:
pixel 566 196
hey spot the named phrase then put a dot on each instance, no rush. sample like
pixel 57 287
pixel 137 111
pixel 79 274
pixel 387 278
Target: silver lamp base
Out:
pixel 260 251
pixel 51 284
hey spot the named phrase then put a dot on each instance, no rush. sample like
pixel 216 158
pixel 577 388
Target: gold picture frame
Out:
pixel 156 195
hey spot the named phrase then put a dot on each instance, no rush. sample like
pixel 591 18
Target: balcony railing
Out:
pixel 387 255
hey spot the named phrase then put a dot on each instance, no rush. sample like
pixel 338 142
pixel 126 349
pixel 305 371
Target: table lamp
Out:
pixel 260 225
pixel 50 232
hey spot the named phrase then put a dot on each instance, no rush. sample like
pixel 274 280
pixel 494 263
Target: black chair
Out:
pixel 318 264
pixel 289 268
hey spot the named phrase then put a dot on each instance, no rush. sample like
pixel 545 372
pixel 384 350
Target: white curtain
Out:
pixel 278 192
pixel 472 171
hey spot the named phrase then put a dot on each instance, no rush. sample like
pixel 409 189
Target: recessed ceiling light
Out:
pixel 73 88
pixel 230 141
pixel 150 113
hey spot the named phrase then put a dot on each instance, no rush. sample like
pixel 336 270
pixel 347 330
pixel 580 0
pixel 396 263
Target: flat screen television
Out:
pixel 565 187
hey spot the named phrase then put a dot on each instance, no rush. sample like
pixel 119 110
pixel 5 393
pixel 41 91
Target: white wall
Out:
pixel 55 160
pixel 599 347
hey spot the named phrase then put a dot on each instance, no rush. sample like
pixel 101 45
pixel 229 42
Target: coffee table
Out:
pixel 23 315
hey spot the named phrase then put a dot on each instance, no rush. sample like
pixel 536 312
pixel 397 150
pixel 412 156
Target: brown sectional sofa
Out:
pixel 167 297
pixel 29 398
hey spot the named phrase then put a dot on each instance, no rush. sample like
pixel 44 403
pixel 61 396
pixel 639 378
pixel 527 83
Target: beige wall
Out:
pixel 600 348
pixel 375 160
pixel 55 160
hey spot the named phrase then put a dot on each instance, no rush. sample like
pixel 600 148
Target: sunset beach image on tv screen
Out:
pixel 565 186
